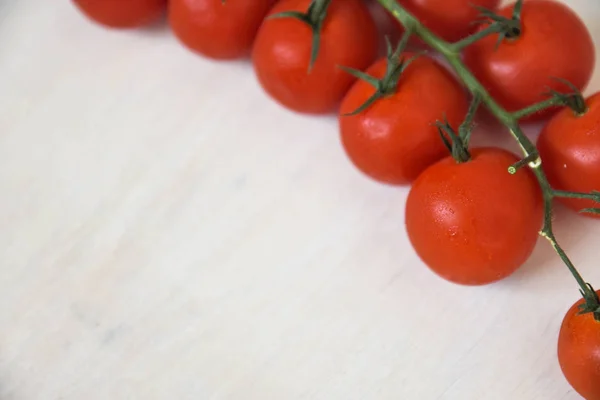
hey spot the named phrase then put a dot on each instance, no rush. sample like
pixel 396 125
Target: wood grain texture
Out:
pixel 167 232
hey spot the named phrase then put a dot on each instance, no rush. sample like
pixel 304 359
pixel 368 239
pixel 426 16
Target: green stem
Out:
pixel 576 195
pixel 508 119
pixel 466 128
pixel 469 40
pixel 318 9
pixel 547 231
pixel 535 108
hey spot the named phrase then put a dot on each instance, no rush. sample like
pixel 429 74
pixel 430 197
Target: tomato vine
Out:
pixel 531 158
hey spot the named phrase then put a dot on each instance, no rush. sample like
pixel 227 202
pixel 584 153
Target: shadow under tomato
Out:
pixel 156 28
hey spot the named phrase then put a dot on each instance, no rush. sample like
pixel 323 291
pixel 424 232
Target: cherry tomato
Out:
pixel 553 43
pixel 570 149
pixel 217 30
pixel 122 13
pixel 579 352
pixel 450 19
pixel 395 139
pixel 282 51
pixel 473 223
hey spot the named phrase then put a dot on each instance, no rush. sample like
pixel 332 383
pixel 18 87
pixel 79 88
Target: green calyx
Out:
pixel 574 99
pixel 387 85
pixel 314 17
pixel 458 143
pixel 507 28
pixel 591 303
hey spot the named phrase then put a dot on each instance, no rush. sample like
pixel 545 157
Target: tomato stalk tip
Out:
pixel 531 158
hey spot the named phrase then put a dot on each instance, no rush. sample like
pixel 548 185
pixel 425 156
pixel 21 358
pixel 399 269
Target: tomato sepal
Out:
pixel 591 303
pixel 458 145
pixel 507 28
pixel 314 18
pixel 394 69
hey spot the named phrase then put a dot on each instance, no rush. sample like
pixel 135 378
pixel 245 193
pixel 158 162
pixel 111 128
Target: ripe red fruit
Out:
pixel 215 29
pixel 553 43
pixel 122 13
pixel 473 223
pixel 395 139
pixel 282 51
pixel 570 149
pixel 579 352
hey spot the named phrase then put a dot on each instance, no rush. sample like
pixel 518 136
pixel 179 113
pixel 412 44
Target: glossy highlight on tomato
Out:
pixel 282 51
pixel 215 29
pixel 122 13
pixel 395 139
pixel 452 20
pixel 579 352
pixel 473 223
pixel 569 146
pixel 553 43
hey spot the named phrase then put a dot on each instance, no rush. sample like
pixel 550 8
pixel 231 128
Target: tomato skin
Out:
pixel 394 139
pixel 473 223
pixel 449 19
pixel 579 352
pixel 282 51
pixel 216 30
pixel 554 42
pixel 569 146
pixel 122 14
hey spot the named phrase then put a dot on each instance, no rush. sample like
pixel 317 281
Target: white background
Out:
pixel 168 232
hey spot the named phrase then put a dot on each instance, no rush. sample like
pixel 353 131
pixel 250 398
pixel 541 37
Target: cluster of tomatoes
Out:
pixel 468 219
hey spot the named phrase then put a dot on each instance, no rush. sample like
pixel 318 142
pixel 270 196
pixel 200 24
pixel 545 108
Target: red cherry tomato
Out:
pixel 554 43
pixel 394 139
pixel 579 352
pixel 282 52
pixel 450 19
pixel 217 30
pixel 122 13
pixel 570 149
pixel 473 223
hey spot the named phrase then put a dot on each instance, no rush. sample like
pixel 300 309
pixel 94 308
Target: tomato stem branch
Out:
pixel 466 128
pixel 511 120
pixel 535 108
pixel 577 195
pixel 457 47
pixel 531 159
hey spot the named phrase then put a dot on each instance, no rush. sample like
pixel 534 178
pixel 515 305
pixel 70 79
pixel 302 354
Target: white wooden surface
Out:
pixel 167 232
